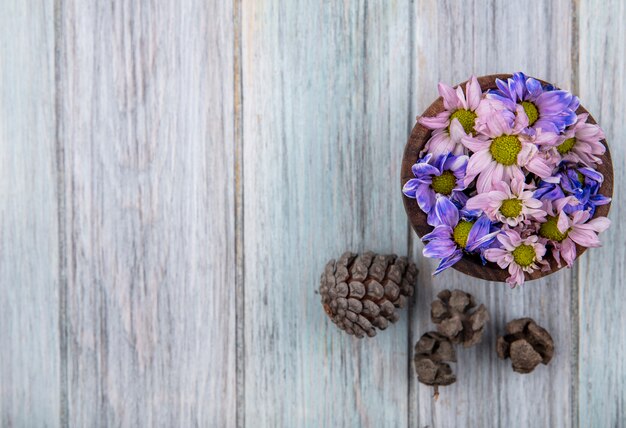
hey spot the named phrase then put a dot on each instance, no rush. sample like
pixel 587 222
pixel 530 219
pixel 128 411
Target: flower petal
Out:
pixel 484 241
pixel 505 240
pixel 450 100
pixel 474 93
pixel 461 97
pixel 503 87
pixel 440 232
pixel 498 124
pixel 546 139
pixel 410 187
pixel 539 167
pixel 568 251
pixel 421 168
pixel 456 164
pixel 599 224
pixel 562 223
pixel 449 261
pixel 479 202
pixel 447 213
pixel 440 121
pixel 599 200
pixel 592 173
pixel 439 248
pixel 456 131
pixel 497 255
pixel 521 119
pixel 475 144
pixel 440 144
pixel 528 151
pixel 425 198
pixel 586 238
pixel 478 230
pixel 517 275
pixel 484 182
pixel 534 87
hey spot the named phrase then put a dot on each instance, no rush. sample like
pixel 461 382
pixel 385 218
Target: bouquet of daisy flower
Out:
pixel 505 181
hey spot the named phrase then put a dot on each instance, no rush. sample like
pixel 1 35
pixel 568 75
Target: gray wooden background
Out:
pixel 175 174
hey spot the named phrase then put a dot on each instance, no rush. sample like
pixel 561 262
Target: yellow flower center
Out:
pixel 461 232
pixel 531 111
pixel 566 146
pixel 511 208
pixel 550 230
pixel 524 255
pixel 466 118
pixel 444 183
pixel 505 149
pixel 581 177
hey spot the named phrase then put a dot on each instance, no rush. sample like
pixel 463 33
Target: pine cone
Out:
pixel 526 344
pixel 361 292
pixel 432 353
pixel 453 315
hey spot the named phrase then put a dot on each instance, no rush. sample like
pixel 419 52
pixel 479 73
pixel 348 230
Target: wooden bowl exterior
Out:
pixel 472 265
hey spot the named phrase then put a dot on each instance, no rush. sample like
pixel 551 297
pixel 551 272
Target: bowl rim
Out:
pixel 471 265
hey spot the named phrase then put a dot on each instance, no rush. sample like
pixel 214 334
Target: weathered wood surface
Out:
pixel 601 362
pixel 326 99
pixel 146 118
pixel 174 175
pixel 30 362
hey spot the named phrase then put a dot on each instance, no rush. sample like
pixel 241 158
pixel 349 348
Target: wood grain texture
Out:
pixel 175 175
pixel 146 94
pixel 29 248
pixel 602 376
pixel 326 95
pixel 454 40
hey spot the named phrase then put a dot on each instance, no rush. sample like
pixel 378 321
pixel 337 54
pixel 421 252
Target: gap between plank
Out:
pixel 61 216
pixel 363 147
pixel 411 386
pixel 239 226
pixel 574 297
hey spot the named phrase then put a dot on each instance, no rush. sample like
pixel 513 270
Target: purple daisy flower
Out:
pixel 456 121
pixel 581 182
pixel 518 254
pixel 456 232
pixel 562 231
pixel 445 177
pixel 546 108
pixel 581 143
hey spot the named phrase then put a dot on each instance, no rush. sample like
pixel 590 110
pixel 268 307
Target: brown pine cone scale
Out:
pixel 526 344
pixel 453 313
pixel 433 352
pixel 360 293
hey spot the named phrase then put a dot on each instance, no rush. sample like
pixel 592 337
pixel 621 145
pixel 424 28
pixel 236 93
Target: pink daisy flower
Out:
pixel 456 121
pixel 507 150
pixel 580 143
pixel 563 232
pixel 518 254
pixel 509 204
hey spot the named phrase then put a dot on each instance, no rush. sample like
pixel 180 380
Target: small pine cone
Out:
pixel 453 315
pixel 526 344
pixel 432 353
pixel 361 292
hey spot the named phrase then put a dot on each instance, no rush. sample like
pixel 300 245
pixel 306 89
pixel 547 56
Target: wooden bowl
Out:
pixel 469 264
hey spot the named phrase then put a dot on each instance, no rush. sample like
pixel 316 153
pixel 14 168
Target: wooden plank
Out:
pixel 454 40
pixel 30 359
pixel 326 94
pixel 602 373
pixel 146 92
